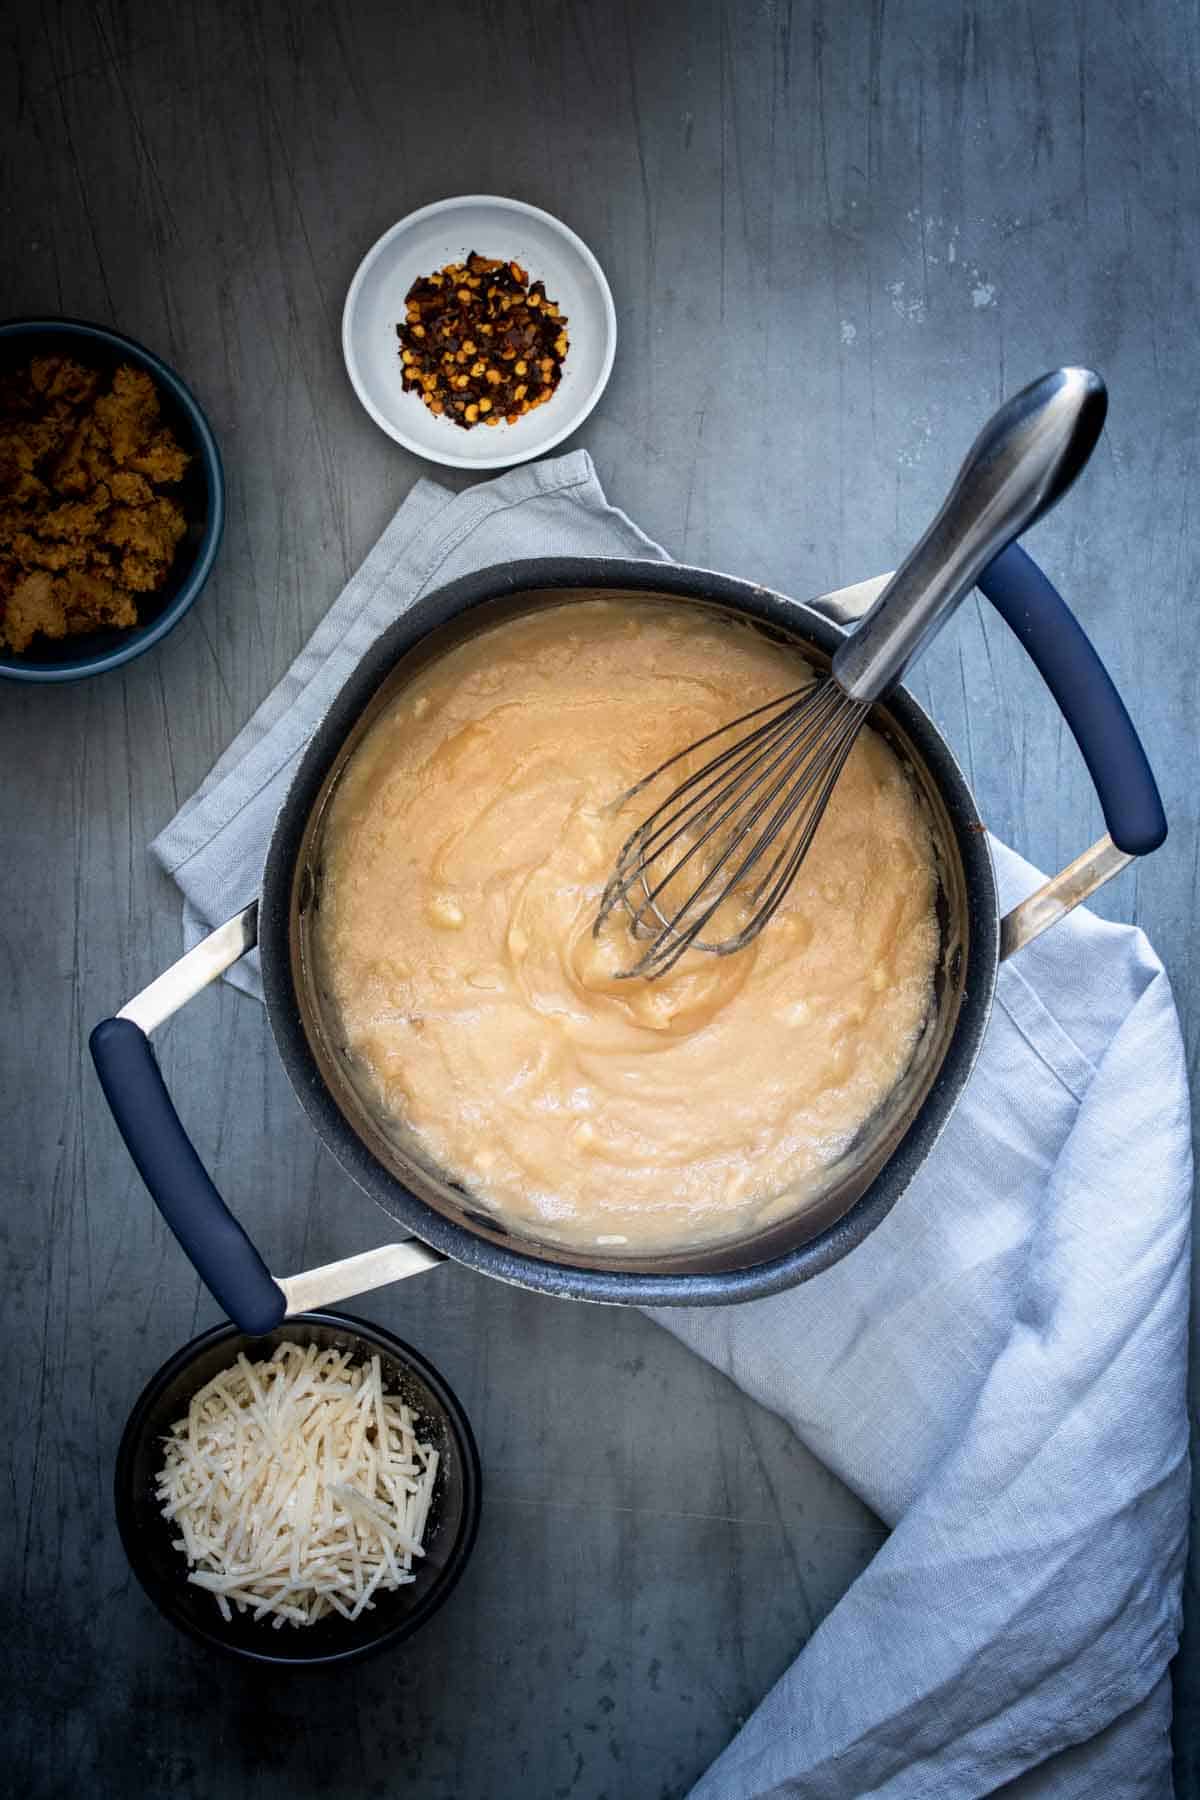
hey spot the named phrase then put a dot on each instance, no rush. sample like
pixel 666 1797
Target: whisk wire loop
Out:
pixel 784 747
pixel 790 756
pixel 768 789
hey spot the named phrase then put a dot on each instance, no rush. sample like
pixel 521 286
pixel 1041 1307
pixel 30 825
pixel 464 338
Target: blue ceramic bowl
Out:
pixel 201 494
pixel 148 1539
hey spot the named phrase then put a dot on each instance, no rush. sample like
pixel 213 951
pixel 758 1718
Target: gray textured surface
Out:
pixel 836 234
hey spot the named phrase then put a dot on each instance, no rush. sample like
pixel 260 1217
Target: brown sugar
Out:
pixel 84 528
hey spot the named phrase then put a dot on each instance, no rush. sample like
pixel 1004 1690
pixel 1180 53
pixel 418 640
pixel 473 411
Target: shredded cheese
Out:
pixel 299 1487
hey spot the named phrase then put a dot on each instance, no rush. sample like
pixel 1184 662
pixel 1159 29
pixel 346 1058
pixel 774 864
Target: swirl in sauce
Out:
pixel 466 849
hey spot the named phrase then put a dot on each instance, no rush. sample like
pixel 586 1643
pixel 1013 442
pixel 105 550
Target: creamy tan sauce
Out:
pixel 466 850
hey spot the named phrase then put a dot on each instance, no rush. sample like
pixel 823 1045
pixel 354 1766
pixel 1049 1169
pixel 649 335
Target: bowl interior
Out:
pixel 447 232
pixel 389 1150
pixel 162 1570
pixel 197 494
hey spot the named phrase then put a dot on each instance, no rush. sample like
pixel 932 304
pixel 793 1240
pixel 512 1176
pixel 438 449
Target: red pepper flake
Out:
pixel 480 342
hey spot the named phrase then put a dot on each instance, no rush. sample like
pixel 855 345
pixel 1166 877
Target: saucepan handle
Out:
pixel 180 1186
pixel 1065 658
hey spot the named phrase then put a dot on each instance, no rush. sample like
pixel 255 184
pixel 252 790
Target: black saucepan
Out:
pixel 870 1176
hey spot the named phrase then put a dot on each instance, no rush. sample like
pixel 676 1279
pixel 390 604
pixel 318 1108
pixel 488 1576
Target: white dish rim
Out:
pixel 506 459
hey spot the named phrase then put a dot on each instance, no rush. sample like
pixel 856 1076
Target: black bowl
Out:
pixel 201 494
pixel 163 1570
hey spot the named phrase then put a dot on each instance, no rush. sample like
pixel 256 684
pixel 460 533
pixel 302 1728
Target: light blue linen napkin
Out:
pixel 999 1372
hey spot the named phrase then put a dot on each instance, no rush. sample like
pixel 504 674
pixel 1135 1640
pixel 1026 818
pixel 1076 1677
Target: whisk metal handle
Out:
pixel 1020 465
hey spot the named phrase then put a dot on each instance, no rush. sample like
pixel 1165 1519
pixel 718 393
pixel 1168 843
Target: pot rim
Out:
pixel 566 1280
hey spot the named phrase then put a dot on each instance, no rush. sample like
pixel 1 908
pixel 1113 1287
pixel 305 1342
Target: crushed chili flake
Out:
pixel 480 342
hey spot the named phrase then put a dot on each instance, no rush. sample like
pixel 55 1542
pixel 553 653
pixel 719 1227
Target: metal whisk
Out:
pixel 734 832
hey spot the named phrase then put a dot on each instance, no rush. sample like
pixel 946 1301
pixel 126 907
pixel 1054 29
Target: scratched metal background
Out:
pixel 836 235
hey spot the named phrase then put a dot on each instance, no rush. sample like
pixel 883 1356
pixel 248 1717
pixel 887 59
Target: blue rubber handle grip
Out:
pixel 1064 657
pixel 225 1259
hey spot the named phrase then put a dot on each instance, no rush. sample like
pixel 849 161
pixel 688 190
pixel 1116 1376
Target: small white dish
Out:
pixel 445 232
